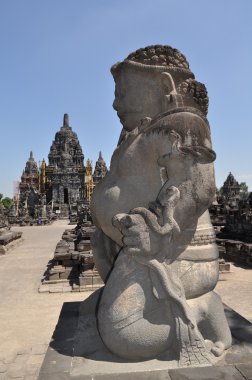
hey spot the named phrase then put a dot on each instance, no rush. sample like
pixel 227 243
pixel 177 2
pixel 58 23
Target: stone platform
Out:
pixel 77 352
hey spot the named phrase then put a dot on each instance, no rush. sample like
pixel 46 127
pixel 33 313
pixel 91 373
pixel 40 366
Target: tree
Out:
pixel 7 202
pixel 244 190
pixel 1 196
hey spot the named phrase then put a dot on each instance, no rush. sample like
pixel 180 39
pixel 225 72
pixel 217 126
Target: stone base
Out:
pixel 77 352
pixel 87 282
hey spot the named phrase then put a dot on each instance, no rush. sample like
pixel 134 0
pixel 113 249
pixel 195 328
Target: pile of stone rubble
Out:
pixel 72 267
pixel 8 238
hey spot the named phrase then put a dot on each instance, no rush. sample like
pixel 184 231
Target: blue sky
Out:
pixel 56 57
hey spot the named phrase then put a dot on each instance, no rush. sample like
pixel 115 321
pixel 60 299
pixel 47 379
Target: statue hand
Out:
pixel 138 238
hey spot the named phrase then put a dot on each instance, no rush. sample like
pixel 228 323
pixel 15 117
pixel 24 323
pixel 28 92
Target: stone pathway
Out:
pixel 235 289
pixel 28 318
pixel 25 364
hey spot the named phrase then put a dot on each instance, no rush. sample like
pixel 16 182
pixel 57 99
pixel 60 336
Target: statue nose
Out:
pixel 115 104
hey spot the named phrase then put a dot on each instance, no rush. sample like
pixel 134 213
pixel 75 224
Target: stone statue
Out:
pixel 155 246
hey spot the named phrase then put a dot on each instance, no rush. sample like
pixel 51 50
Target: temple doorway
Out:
pixel 66 195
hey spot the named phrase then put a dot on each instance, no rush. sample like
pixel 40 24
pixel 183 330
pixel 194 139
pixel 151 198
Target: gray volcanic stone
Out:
pixel 86 357
pixel 155 245
pixel 206 373
pixel 66 172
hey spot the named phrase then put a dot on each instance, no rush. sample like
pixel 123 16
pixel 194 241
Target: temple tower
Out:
pixel 231 188
pixel 28 195
pixel 100 169
pixel 65 174
pixel 30 175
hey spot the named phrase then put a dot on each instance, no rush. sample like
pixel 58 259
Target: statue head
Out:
pixel 152 80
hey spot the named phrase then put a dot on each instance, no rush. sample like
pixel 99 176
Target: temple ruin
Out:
pixel 60 188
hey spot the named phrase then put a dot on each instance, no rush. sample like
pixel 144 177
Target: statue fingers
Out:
pixel 121 221
pixel 136 230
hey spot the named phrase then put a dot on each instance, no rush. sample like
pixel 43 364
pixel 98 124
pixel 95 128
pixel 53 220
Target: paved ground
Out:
pixel 28 319
pixel 235 289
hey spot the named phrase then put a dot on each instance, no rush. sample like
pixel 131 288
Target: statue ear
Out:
pixel 168 85
pixel 201 154
pixel 170 98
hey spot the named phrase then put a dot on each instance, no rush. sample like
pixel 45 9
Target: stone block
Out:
pixel 58 269
pixel 97 281
pixel 64 275
pixel 206 373
pixel 62 255
pixel 67 289
pixel 84 245
pixel 75 255
pixel 86 288
pixel 54 276
pixel 68 262
pixel 71 246
pixel 54 289
pixel 43 289
pixel 245 369
pixel 84 281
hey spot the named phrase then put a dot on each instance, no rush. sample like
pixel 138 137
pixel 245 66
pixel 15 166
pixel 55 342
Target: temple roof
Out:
pixel 65 151
pixel 31 167
pixel 100 168
pixel 231 181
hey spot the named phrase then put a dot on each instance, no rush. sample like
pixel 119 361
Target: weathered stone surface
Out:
pixel 86 357
pixel 8 238
pixel 206 373
pixel 245 370
pixel 155 244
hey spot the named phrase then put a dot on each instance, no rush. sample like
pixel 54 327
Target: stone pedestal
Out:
pixel 77 352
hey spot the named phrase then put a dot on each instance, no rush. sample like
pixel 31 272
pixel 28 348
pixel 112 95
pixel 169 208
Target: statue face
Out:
pixel 137 95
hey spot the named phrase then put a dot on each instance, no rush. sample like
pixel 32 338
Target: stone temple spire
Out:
pixel 100 169
pixel 30 174
pixel 231 188
pixel 66 121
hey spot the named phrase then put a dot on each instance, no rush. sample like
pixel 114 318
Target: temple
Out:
pixel 230 188
pixel 231 215
pixel 65 174
pixel 100 169
pixel 30 175
pixel 28 189
pixel 61 187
